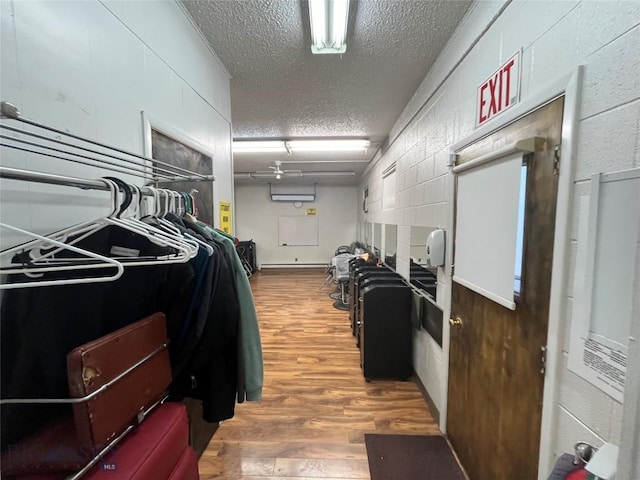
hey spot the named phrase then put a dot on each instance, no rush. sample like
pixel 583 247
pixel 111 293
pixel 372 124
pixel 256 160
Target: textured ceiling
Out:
pixel 279 89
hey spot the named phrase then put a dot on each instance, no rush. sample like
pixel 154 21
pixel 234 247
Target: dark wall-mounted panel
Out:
pixel 431 317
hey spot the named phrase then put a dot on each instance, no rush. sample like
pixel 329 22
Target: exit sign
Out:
pixel 500 91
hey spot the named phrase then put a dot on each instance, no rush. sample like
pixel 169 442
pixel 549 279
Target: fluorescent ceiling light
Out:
pixel 348 173
pixel 251 146
pixel 282 146
pixel 328 25
pixel 327 145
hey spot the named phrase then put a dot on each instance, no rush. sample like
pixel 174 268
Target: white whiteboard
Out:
pixel 298 230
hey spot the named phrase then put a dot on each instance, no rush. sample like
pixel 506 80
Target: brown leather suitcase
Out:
pixel 95 364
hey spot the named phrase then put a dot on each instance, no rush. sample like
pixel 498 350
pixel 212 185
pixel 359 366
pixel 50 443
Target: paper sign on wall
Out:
pixel 500 91
pixel 311 211
pixel 225 217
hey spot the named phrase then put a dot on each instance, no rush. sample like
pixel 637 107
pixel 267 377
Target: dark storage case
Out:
pixel 385 331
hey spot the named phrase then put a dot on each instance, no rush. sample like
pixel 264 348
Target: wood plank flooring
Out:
pixel 316 405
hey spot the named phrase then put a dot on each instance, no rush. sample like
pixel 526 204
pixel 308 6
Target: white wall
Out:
pixel 91 68
pixel 555 38
pixel 257 219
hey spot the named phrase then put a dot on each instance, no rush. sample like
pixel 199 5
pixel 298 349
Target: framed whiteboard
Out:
pixel 297 230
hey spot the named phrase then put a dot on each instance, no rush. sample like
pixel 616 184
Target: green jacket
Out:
pixel 250 347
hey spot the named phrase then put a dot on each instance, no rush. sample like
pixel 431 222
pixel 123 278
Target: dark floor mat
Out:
pixel 411 457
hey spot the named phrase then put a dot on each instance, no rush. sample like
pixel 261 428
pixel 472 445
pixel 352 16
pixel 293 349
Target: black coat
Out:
pixel 39 326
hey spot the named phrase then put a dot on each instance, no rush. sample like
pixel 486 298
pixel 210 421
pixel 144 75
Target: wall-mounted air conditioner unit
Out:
pixel 282 193
pixel 293 197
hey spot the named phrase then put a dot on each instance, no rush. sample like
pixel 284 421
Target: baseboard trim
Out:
pixel 432 406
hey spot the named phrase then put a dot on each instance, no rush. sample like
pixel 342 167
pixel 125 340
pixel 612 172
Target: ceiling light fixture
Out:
pixel 265 146
pixel 282 146
pixel 328 145
pixel 347 173
pixel 328 20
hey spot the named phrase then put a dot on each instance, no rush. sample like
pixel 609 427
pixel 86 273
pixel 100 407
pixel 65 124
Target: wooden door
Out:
pixel 495 379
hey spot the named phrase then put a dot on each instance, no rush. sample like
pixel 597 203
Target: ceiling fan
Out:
pixel 277 172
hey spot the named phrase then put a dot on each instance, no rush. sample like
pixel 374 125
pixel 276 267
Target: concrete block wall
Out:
pixel 91 68
pixel 554 37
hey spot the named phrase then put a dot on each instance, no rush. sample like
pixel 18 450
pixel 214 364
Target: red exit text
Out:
pixel 500 91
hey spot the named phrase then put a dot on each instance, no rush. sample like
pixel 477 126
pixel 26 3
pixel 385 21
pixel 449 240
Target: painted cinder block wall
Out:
pixel 91 68
pixel 555 37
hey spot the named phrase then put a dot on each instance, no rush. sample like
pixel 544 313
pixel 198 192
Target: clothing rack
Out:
pixel 45 141
pixel 30 138
pixel 49 178
pixel 188 199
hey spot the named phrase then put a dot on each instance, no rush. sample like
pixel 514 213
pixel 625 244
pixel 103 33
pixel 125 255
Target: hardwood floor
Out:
pixel 316 405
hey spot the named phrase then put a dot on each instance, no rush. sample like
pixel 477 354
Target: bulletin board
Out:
pixel 297 230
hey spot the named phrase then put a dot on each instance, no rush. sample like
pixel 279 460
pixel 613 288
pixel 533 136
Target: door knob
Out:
pixel 456 322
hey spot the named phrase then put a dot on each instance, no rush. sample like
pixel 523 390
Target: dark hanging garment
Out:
pixel 211 372
pixel 39 326
pixel 250 363
pixel 251 374
pixel 188 331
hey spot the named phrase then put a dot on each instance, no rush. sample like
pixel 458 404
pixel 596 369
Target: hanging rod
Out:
pixel 10 111
pixel 124 170
pixel 50 178
pixel 144 169
pixel 53 179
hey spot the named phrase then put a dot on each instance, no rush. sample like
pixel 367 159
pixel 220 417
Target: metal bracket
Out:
pixel 556 160
pixel 452 160
pixel 9 110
